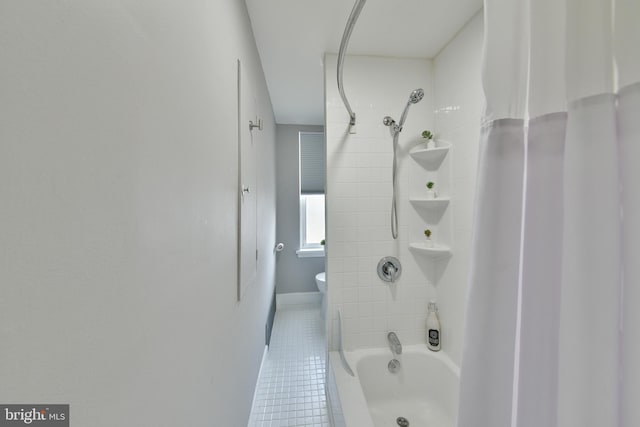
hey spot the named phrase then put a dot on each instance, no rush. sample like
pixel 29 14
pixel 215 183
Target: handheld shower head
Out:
pixel 395 128
pixel 416 96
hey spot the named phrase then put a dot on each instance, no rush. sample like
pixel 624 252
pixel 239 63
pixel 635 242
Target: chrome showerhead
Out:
pixel 416 96
pixel 388 121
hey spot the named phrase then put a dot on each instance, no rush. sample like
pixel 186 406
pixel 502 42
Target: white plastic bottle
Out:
pixel 433 328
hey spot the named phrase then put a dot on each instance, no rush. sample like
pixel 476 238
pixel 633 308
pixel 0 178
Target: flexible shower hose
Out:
pixel 394 209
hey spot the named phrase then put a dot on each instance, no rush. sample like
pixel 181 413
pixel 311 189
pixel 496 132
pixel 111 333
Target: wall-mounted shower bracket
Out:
pixel 393 126
pixel 253 125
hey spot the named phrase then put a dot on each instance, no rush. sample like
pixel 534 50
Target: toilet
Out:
pixel 321 282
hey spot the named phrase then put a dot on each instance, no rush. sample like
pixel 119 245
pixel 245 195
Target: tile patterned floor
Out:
pixel 290 390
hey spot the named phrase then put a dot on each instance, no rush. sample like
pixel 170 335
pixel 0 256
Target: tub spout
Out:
pixel 394 343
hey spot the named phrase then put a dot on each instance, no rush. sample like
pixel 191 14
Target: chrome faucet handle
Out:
pixel 389 269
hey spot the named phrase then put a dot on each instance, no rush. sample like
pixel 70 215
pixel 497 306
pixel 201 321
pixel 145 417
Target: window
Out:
pixel 311 220
pixel 312 179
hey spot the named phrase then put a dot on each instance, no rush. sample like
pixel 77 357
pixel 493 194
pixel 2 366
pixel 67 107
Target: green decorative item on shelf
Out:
pixel 322 242
pixel 428 136
pixel 431 193
pixel 429 242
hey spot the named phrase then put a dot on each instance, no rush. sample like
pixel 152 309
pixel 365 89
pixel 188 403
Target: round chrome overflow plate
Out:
pixel 402 422
pixel 389 269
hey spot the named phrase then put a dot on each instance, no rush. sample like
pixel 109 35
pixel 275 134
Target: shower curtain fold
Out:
pixel 491 320
pixel 628 127
pixel 552 332
pixel 588 371
pixel 541 271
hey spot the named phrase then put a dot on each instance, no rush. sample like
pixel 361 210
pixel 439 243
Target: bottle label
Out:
pixel 434 337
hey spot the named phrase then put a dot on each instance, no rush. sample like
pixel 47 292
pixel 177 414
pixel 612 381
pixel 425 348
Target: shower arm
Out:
pixel 355 12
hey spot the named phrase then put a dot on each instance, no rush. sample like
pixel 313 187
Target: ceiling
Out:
pixel 293 36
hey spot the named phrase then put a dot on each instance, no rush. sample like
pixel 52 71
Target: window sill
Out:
pixel 310 253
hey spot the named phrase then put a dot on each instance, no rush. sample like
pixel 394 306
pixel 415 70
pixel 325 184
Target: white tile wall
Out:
pixel 359 200
pixel 359 192
pixel 458 107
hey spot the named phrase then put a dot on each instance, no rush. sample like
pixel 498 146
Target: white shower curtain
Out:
pixel 552 334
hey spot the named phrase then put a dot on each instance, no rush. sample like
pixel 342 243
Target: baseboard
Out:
pixel 295 298
pixel 255 390
pixel 268 327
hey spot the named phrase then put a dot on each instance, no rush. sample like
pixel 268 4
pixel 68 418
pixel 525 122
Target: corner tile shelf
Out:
pixel 430 159
pixel 434 204
pixel 433 252
pixel 429 155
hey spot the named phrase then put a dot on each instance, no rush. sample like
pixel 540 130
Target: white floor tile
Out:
pixel 290 390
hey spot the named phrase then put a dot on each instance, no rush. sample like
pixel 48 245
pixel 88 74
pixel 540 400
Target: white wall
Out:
pixel 458 108
pixel 359 200
pixel 118 166
pixel 293 274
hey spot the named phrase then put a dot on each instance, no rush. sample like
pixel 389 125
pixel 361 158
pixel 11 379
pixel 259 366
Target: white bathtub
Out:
pixel 424 390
